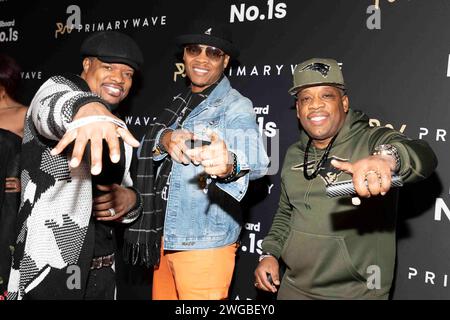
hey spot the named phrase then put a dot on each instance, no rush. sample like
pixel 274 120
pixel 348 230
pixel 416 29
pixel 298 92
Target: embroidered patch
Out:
pixel 322 68
pixel 327 172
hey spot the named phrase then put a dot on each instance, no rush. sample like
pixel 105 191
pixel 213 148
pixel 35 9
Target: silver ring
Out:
pixel 112 212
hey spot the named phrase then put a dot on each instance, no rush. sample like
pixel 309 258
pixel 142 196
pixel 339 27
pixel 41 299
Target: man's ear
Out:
pixel 345 103
pixel 297 107
pixel 86 64
pixel 226 61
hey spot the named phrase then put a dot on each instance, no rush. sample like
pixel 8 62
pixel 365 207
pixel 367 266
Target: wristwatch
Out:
pixel 390 150
pixel 265 255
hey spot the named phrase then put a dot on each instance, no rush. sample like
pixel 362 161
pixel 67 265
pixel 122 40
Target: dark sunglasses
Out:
pixel 212 53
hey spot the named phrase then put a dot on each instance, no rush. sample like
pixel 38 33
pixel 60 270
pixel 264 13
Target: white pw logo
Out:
pixel 208 32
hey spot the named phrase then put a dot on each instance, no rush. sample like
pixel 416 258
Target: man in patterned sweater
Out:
pixel 75 177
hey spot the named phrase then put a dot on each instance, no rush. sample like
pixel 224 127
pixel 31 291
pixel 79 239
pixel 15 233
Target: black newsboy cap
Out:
pixel 209 33
pixel 113 47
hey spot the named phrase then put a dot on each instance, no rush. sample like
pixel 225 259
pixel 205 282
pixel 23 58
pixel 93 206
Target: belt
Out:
pixel 100 262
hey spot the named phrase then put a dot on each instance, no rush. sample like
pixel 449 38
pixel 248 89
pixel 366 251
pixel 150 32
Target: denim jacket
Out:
pixel 199 216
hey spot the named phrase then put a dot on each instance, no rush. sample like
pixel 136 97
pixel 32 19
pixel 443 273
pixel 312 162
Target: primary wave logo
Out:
pixel 428 277
pixel 74 23
pixel 262 70
pixel 31 75
pixel 139 121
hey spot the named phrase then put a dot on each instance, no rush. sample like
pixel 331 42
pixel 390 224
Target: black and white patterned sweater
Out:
pixel 55 234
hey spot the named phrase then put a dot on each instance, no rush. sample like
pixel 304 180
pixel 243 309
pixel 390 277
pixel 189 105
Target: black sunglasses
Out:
pixel 212 53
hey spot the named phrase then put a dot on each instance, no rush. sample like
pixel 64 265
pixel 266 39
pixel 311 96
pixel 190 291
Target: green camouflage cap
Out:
pixel 317 71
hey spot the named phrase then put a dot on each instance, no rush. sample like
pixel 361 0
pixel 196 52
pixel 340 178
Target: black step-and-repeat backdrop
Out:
pixel 396 62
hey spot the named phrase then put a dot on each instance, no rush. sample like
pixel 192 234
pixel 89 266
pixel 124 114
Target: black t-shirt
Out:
pixel 104 243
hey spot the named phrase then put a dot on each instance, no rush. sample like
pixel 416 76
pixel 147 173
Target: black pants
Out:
pixel 101 284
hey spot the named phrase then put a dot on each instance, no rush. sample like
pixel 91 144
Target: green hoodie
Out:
pixel 332 248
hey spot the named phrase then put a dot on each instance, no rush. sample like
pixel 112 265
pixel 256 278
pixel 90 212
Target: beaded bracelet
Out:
pixel 233 173
pixel 134 211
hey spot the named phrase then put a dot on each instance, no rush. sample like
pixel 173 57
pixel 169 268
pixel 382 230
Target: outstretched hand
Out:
pixel 175 144
pixel 371 175
pixel 95 133
pixel 215 158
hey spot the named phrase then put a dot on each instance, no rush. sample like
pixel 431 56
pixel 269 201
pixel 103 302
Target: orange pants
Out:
pixel 194 275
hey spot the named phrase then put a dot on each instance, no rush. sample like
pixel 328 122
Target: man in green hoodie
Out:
pixel 337 247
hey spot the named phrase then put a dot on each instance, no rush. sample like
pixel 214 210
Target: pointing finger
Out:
pixel 64 142
pixel 214 137
pixel 343 166
pixel 128 137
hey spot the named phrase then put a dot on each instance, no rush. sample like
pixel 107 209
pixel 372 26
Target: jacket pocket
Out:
pixel 199 126
pixel 321 265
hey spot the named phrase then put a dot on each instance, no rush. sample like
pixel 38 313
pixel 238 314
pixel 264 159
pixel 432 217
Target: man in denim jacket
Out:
pixel 206 155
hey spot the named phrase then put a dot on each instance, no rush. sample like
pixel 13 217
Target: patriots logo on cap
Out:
pixel 322 68
pixel 208 32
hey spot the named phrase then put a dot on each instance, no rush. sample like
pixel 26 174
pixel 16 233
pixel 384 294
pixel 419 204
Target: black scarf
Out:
pixel 143 237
